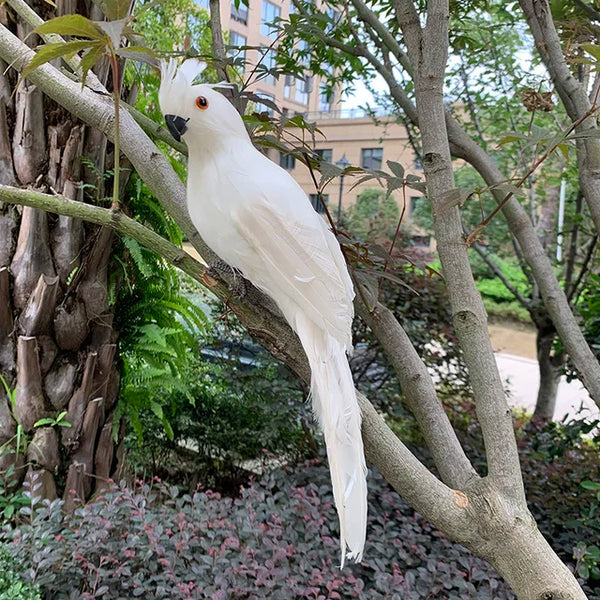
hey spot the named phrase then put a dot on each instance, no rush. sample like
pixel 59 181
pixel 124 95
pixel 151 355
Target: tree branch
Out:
pixel 216 32
pixel 428 49
pixel 419 391
pixel 115 219
pixel 574 97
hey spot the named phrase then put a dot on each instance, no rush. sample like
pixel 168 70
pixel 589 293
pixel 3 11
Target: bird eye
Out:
pixel 201 102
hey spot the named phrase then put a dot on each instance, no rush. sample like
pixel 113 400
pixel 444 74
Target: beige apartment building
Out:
pixel 348 135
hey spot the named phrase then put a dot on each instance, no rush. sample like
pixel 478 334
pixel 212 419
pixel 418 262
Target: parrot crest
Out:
pixel 196 108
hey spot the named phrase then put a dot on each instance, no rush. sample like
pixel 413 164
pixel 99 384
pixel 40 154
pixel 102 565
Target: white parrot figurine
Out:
pixel 258 219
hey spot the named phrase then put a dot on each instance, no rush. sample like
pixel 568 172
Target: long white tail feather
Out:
pixel 336 407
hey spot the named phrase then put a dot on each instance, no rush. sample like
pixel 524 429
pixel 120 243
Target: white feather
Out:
pixel 257 218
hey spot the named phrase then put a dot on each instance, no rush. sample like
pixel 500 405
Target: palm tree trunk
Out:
pixel 57 342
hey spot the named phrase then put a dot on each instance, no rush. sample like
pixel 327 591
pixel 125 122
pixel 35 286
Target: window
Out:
pixel 270 13
pixel 264 107
pixel 236 39
pixel 326 155
pixel 303 88
pixel 371 158
pixel 325 99
pixel 315 200
pixel 239 13
pixel 268 62
pixel 287 161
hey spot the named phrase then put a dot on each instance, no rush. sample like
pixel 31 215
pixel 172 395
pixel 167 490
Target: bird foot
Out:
pixel 238 284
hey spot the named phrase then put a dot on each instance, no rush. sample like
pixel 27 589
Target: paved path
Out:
pixel 522 380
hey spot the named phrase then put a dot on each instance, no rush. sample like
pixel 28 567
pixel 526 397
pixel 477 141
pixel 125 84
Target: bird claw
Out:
pixel 238 285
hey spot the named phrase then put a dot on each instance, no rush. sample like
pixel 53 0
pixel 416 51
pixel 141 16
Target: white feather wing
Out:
pixel 300 263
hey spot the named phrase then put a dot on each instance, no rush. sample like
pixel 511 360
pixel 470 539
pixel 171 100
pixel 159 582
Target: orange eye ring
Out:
pixel 202 102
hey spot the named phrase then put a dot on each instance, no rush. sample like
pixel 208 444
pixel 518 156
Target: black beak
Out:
pixel 176 125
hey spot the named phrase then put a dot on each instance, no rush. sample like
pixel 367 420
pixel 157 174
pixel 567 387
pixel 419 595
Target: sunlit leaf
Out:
pixel 592 49
pixel 52 51
pixel 74 25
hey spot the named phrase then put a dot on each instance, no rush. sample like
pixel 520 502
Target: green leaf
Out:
pixel 44 421
pixel 564 150
pixel 588 133
pixel 590 485
pixel 396 168
pixel 89 59
pixel 454 197
pixel 508 139
pixel 51 51
pixel 592 49
pixel 74 25
pixel 140 54
pixel 114 9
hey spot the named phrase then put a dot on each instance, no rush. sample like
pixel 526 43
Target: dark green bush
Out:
pixel 12 585
pixel 230 419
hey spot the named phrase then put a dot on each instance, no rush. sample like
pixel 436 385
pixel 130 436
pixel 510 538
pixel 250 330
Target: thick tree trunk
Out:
pixel 57 346
pixel 530 566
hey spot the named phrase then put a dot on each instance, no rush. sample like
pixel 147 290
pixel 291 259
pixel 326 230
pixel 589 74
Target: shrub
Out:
pixel 12 586
pixel 278 539
pixel 374 216
pixel 228 418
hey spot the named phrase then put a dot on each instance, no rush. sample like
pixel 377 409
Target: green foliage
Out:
pixel 510 311
pixel 374 216
pixel 277 538
pixel 590 311
pixel 423 309
pixel 237 407
pixel 159 325
pixel 11 498
pixel 588 555
pixel 12 585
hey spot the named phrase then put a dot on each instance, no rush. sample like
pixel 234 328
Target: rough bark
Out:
pixel 32 257
pixel 53 272
pixel 8 225
pixel 36 317
pixel 60 383
pixel 30 405
pixel 84 455
pixel 29 138
pixel 43 448
pixel 7 356
pixel 7 174
pixel 78 404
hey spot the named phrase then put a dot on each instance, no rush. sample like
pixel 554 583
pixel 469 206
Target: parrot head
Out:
pixel 196 112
